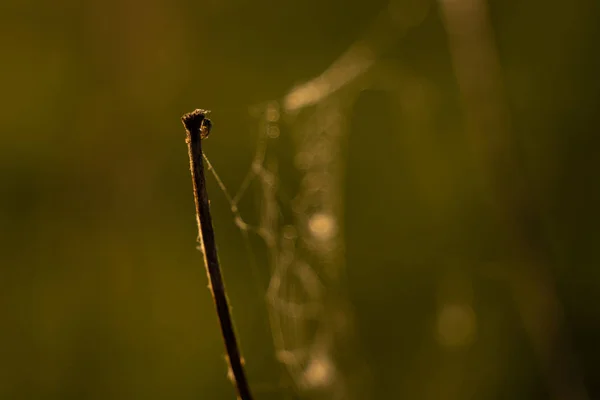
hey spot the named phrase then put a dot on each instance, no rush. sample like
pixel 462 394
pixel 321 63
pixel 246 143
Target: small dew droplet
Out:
pixel 273 132
pixel 456 325
pixel 323 226
pixel 273 112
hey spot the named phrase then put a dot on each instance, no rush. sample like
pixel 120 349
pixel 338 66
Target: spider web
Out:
pixel 303 241
pixel 302 136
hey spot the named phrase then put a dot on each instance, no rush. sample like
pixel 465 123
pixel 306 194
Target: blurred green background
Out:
pixel 103 294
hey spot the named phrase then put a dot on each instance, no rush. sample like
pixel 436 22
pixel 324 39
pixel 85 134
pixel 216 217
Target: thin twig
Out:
pixel 198 127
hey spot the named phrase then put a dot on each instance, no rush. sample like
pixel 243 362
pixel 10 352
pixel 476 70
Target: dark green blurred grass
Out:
pixel 102 293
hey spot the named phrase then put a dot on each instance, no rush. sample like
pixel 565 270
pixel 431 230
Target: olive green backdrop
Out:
pixel 102 293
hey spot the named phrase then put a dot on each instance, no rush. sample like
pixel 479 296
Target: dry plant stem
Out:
pixel 198 127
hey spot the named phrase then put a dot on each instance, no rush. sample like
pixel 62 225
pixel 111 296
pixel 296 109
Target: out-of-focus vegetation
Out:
pixel 103 295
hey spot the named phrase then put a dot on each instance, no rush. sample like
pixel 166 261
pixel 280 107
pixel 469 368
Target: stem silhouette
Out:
pixel 198 127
